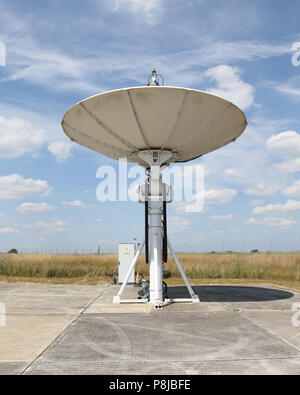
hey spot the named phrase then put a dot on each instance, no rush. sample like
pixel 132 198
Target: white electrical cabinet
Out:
pixel 126 257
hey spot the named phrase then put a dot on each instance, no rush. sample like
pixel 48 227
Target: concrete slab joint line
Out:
pixel 60 337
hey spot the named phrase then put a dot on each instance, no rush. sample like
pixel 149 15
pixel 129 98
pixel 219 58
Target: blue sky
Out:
pixel 58 53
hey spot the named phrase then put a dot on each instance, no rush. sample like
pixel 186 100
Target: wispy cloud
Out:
pixel 61 150
pixel 221 217
pixel 15 186
pixel 273 222
pixel 74 203
pixel 230 86
pixel 36 208
pixel 80 68
pixel 19 137
pixel 290 205
pixel 48 227
pixel 8 230
pixel 150 8
pixel 178 224
pixel 293 190
pixel 285 143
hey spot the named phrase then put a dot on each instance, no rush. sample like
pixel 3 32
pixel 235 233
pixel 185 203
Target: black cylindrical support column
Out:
pixel 165 240
pixel 147 231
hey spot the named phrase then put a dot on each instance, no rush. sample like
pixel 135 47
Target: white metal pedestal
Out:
pixel 155 192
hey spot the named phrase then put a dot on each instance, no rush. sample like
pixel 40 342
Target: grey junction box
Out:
pixel 126 256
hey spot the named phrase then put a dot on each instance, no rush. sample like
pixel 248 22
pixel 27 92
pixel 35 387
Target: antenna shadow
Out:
pixel 218 293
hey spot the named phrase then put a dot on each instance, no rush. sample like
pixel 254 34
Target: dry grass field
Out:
pixel 282 269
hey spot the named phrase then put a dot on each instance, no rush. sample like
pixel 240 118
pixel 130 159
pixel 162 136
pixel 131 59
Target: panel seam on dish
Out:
pixel 116 151
pixel 178 115
pixel 205 128
pixel 108 129
pixel 137 120
pixel 215 141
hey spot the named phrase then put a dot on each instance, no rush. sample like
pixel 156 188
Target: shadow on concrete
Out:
pixel 218 293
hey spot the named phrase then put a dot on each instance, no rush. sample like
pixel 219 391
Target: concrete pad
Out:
pixel 25 337
pixel 47 300
pixel 173 339
pixel 104 304
pixel 240 367
pixel 50 289
pixel 35 316
pixel 100 307
pixel 11 368
pixel 194 307
pixel 78 330
pixel 277 323
pixel 45 304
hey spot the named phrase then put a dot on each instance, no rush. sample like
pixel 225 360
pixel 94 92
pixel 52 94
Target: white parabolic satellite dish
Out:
pixel 154 126
pixel 121 123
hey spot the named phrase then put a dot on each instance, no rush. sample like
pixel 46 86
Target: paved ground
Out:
pixel 53 329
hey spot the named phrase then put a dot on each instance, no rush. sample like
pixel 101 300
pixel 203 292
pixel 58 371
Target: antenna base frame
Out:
pixel 155 193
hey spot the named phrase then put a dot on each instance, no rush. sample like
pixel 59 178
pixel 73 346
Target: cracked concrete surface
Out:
pixel 56 329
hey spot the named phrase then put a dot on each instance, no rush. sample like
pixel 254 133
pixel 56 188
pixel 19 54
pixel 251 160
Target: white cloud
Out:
pixel 235 174
pixel 221 217
pixel 288 89
pixel 56 226
pixel 149 7
pixel 291 87
pixel 76 66
pixel 139 5
pixel 293 190
pixel 217 232
pixel 285 143
pixel 38 208
pixel 97 221
pixel 177 224
pixel 74 203
pixel 211 197
pixel 61 150
pixel 19 137
pixel 272 222
pixel 15 186
pixel 262 189
pixel 8 230
pixel 256 202
pixel 288 166
pixel 290 205
pixel 258 187
pixel 230 86
pixel 219 196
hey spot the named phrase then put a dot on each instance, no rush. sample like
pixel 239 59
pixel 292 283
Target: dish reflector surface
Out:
pixel 187 122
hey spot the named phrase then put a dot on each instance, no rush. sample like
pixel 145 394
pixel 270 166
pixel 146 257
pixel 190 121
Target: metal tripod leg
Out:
pixel 117 299
pixel 195 298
